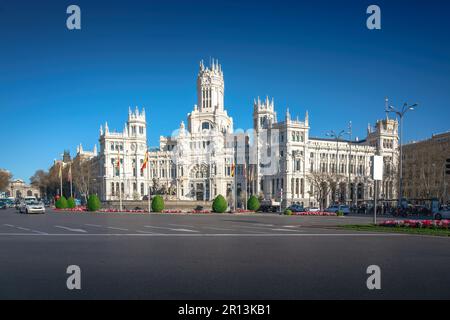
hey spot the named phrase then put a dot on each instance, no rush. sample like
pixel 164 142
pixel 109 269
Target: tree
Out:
pixel 219 205
pixel 71 203
pixel 40 180
pixel 253 203
pixel 323 184
pixel 93 203
pixel 82 176
pixel 157 204
pixel 5 177
pixel 61 203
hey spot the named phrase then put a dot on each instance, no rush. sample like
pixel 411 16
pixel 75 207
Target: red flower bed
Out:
pixel 77 209
pixel 314 213
pixel 172 211
pixel 430 224
pixel 124 210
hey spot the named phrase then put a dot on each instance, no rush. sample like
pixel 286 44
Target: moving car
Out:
pixel 335 208
pixel 31 206
pixel 442 214
pixel 3 204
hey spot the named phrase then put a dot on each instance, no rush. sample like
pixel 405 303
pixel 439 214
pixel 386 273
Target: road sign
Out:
pixel 377 168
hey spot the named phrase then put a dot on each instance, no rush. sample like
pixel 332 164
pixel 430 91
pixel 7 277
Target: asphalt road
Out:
pixel 141 256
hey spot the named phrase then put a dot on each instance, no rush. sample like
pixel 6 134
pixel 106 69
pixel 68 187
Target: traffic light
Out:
pixel 447 166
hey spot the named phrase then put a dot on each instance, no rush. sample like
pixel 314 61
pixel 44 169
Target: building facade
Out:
pixel 275 160
pixel 19 189
pixel 424 171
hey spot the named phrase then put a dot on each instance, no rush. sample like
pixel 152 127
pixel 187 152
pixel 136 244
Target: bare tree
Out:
pixel 5 177
pixel 323 184
pixel 82 176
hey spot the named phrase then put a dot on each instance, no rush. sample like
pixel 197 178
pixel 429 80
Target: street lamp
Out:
pixel 337 136
pixel 401 113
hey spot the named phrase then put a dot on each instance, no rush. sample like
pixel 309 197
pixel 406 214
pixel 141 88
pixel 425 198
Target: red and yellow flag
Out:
pixel 233 168
pixel 118 159
pixel 144 164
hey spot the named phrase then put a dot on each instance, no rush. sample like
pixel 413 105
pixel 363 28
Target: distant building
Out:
pixel 19 189
pixel 424 168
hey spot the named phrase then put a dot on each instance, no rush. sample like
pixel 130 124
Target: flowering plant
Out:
pixel 427 224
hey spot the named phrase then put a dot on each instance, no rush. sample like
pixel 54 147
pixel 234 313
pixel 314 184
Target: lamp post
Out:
pixel 401 113
pixel 337 137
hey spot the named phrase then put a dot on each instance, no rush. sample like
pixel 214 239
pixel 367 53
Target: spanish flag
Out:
pixel 233 167
pixel 118 160
pixel 144 164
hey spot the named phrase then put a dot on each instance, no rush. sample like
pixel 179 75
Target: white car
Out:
pixel 442 214
pixel 314 209
pixel 32 206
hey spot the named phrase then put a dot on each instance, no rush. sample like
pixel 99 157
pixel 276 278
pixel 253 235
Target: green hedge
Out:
pixel 288 212
pixel 71 203
pixel 253 203
pixel 61 203
pixel 93 203
pixel 220 205
pixel 157 204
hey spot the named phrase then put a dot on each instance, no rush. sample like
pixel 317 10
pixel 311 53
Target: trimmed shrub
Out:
pixel 93 203
pixel 253 203
pixel 157 204
pixel 71 203
pixel 219 205
pixel 340 213
pixel 288 212
pixel 61 203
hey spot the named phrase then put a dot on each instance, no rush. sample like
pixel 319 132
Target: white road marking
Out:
pixel 215 235
pixel 214 228
pixel 171 229
pixel 181 225
pixel 71 229
pixel 24 229
pixel 106 227
pixel 116 228
pixel 288 230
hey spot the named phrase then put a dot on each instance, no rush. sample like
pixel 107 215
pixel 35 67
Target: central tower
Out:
pixel 210 87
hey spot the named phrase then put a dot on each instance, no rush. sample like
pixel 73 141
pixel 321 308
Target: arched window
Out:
pixel 205 126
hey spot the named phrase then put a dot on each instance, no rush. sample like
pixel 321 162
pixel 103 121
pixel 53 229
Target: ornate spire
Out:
pixel 307 118
pixel 106 128
pixel 288 115
pixel 101 130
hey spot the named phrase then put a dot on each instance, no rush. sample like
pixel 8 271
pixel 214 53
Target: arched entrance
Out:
pixel 199 176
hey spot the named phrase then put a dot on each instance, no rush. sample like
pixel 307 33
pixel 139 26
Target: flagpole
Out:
pixel 148 182
pixel 120 182
pixel 71 190
pixel 60 179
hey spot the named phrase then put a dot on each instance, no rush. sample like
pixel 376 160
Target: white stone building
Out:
pixel 197 162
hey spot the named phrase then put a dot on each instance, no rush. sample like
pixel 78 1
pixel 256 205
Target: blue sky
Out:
pixel 57 86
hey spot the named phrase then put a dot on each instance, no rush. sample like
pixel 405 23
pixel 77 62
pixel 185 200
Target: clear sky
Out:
pixel 57 86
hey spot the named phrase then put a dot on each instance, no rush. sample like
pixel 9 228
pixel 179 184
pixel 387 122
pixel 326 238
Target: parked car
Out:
pixel 3 204
pixel 269 206
pixel 297 208
pixel 442 214
pixel 32 206
pixel 314 209
pixel 335 208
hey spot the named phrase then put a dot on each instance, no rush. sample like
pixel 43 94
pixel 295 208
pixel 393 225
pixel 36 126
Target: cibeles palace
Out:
pixel 277 159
